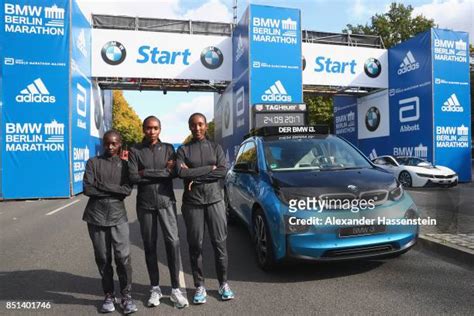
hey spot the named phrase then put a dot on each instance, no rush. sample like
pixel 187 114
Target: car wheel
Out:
pixel 405 179
pixel 263 241
pixel 231 217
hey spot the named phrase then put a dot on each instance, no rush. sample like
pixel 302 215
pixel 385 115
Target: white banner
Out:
pixel 119 53
pixel 335 65
pixel 373 118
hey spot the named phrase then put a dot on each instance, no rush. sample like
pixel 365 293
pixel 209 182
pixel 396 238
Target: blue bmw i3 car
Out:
pixel 304 194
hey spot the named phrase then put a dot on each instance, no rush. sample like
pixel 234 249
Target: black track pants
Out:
pixel 104 240
pixel 149 229
pixel 214 216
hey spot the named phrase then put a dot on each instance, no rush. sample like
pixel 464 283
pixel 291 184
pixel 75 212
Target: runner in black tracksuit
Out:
pixel 202 164
pixel 152 168
pixel 106 184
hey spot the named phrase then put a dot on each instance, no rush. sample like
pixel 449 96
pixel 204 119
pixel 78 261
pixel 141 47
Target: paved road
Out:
pixel 49 258
pixel 451 207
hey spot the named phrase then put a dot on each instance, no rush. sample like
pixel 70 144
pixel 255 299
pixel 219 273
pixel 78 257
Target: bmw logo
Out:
pixel 372 119
pixel 212 57
pixel 372 67
pixel 352 187
pixel 113 53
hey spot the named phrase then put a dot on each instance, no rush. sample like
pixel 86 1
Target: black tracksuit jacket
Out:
pixel 106 184
pixel 155 187
pixel 200 156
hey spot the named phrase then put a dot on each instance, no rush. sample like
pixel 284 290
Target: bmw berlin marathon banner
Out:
pixel 451 101
pixel 137 54
pixel 345 117
pixel 275 60
pixel 35 84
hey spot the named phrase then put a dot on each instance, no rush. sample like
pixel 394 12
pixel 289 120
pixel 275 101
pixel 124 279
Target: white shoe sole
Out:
pixel 199 302
pixel 152 304
pixel 178 305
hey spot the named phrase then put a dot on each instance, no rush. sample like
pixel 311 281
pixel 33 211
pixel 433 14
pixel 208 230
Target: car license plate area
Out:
pixel 361 230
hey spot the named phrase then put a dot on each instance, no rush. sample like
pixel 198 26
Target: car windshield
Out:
pixel 411 161
pixel 321 153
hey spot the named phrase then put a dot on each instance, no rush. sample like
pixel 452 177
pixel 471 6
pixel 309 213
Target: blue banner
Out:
pixel 451 100
pixel 35 85
pixel 275 60
pixel 83 145
pixel 345 117
pixel 232 110
pixel 410 97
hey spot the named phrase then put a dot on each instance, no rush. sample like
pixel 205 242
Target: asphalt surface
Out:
pixel 49 258
pixel 453 208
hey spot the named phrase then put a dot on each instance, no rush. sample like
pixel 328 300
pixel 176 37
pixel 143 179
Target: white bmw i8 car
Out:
pixel 417 172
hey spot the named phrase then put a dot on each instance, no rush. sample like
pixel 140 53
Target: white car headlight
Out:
pixel 395 191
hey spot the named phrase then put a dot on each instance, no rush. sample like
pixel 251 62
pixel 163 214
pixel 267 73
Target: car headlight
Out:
pixel 293 227
pixel 395 191
pixel 424 175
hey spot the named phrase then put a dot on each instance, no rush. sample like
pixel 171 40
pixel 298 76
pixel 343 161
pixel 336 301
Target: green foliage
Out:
pixel 125 120
pixel 395 26
pixel 320 109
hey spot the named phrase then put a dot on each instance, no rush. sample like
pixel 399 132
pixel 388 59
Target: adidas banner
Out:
pixel 410 98
pixel 451 101
pixel 275 60
pixel 35 99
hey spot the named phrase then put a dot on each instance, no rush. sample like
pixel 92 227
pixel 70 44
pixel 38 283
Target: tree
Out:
pixel 125 120
pixel 395 26
pixel 320 109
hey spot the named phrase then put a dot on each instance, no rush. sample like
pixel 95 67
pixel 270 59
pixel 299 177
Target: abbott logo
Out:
pixel 413 104
pixel 35 92
pixel 409 64
pixel 452 104
pixel 276 92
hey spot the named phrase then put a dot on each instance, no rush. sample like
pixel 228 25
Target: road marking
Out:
pixel 62 207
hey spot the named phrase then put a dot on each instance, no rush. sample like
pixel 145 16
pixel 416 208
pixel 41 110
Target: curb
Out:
pixel 450 251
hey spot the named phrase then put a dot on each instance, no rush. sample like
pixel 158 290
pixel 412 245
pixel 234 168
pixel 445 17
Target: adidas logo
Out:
pixel 35 92
pixel 452 104
pixel 409 64
pixel 276 92
pixel 373 154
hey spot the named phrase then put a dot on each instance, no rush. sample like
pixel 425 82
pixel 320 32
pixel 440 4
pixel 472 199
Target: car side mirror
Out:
pixel 244 167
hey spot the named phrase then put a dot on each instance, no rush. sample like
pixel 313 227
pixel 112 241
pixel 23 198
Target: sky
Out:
pixel 174 108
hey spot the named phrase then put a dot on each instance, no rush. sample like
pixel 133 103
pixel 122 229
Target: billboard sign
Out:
pixel 410 97
pixel 451 101
pixel 275 59
pixel 345 117
pixel 140 54
pixel 336 65
pixel 35 97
